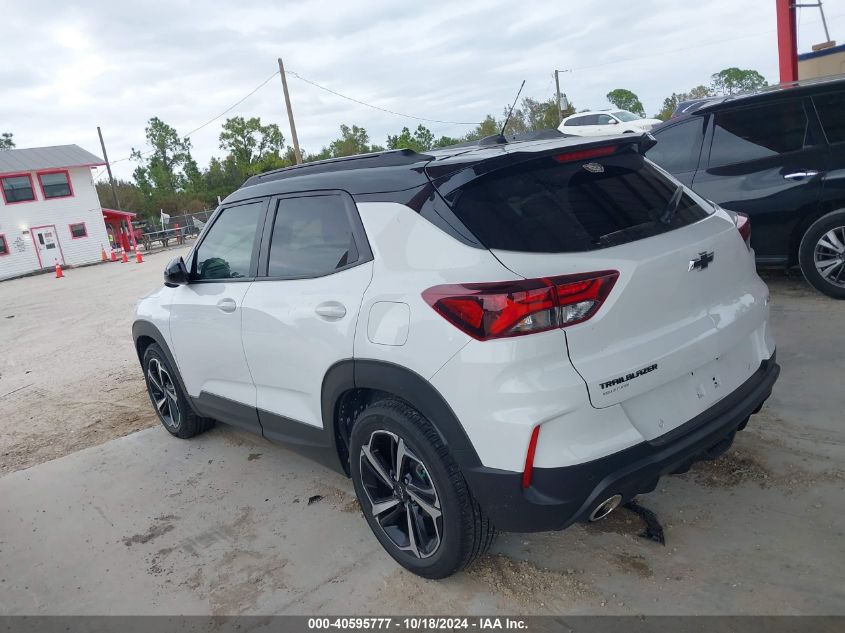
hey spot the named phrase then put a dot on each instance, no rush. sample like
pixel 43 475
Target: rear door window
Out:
pixel 678 146
pixel 762 132
pixel 312 236
pixel 545 206
pixel 831 109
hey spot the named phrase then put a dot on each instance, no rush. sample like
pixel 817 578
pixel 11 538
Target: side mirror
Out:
pixel 613 122
pixel 176 273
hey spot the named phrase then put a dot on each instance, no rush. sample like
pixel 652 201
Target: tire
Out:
pixel 822 254
pixel 450 530
pixel 168 399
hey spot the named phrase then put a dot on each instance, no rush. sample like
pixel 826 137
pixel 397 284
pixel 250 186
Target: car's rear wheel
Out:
pixel 169 400
pixel 413 494
pixel 822 254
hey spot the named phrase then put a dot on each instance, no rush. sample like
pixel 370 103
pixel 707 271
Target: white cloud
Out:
pixel 70 67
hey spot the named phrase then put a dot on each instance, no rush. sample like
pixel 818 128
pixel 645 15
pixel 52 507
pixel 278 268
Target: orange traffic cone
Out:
pixel 123 257
pixel 103 255
pixel 113 255
pixel 59 274
pixel 138 258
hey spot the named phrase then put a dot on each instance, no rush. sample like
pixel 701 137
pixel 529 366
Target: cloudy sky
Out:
pixel 70 66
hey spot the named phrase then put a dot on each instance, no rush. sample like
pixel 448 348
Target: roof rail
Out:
pixel 386 158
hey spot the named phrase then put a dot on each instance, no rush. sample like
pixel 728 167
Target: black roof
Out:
pixel 801 87
pixel 404 169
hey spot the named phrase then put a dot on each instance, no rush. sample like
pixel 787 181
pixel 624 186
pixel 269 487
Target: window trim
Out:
pixel 73 224
pixel 703 122
pixel 818 116
pixel 20 175
pixel 55 171
pixel 365 253
pixel 253 264
pixel 5 245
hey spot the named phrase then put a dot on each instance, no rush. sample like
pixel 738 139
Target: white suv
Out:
pixel 605 123
pixel 513 336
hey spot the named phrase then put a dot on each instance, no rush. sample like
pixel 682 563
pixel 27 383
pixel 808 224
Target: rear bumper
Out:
pixel 559 497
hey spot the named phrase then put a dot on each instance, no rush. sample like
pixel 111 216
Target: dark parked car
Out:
pixel 778 156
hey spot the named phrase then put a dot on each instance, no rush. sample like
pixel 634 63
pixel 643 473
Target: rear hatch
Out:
pixel 677 331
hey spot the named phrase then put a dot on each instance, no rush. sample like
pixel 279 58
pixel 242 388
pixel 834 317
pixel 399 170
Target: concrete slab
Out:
pixel 148 524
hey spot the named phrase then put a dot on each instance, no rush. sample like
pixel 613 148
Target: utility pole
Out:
pixel 108 169
pixel 290 113
pixel 557 91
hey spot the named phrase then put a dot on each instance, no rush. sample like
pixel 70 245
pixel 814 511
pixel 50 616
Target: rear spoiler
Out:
pixel 448 179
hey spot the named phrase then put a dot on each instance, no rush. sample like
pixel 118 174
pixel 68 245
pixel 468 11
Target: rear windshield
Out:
pixel 543 206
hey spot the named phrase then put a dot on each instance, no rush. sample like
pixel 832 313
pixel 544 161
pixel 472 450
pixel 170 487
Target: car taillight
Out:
pixel 513 308
pixel 743 225
pixel 584 154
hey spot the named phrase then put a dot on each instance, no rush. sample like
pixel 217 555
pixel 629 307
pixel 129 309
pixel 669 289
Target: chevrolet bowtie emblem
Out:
pixel 703 260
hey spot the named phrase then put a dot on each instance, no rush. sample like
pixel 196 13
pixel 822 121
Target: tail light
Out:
pixel 743 225
pixel 513 308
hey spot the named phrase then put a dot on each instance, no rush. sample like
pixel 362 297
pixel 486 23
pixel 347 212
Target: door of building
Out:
pixel 47 246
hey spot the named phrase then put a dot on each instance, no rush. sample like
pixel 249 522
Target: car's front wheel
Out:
pixel 822 254
pixel 169 400
pixel 413 494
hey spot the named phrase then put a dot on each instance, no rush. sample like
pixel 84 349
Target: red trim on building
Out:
pixel 5 245
pixel 19 175
pixel 77 237
pixel 55 171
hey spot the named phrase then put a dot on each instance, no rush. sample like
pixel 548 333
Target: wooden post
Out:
pixel 290 113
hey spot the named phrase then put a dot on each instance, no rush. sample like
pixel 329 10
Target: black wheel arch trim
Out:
pixel 403 383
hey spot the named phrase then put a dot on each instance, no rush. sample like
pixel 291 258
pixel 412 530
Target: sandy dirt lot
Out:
pixel 69 377
pixel 231 524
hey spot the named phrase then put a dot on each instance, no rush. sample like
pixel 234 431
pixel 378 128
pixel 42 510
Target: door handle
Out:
pixel 331 310
pixel 799 175
pixel 227 305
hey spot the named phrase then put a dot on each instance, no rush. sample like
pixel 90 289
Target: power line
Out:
pixel 375 107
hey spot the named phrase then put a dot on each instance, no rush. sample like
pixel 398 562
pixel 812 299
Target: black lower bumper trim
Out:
pixel 559 497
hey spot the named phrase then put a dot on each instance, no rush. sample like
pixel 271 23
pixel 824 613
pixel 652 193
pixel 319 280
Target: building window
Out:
pixel 4 247
pixel 55 184
pixel 78 230
pixel 17 188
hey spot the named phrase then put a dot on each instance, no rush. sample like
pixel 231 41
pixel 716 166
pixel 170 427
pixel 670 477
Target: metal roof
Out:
pixel 38 158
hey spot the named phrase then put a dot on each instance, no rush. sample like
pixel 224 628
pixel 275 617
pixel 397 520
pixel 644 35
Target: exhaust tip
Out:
pixel 605 507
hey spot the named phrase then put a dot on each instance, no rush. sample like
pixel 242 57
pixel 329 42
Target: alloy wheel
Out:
pixel 402 496
pixel 163 391
pixel 829 256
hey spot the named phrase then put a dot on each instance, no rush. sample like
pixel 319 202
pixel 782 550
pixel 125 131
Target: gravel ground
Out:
pixel 69 376
pixel 222 524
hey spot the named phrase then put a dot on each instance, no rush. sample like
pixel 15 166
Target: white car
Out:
pixel 514 336
pixel 606 123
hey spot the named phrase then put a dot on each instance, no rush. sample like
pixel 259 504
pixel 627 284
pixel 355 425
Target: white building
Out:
pixel 49 210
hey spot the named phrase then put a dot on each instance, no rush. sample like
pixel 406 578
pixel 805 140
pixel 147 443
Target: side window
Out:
pixel 573 122
pixel 590 119
pixel 678 146
pixel 312 236
pixel 831 109
pixel 761 132
pixel 604 119
pixel 227 249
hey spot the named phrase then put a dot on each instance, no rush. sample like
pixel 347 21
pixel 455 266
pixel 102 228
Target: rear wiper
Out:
pixel 672 206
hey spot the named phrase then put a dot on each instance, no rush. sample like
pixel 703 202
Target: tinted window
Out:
pixel 590 119
pixel 55 185
pixel 678 146
pixel 752 133
pixel 831 109
pixel 312 236
pixel 576 121
pixel 604 119
pixel 17 188
pixel 551 207
pixel 226 250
